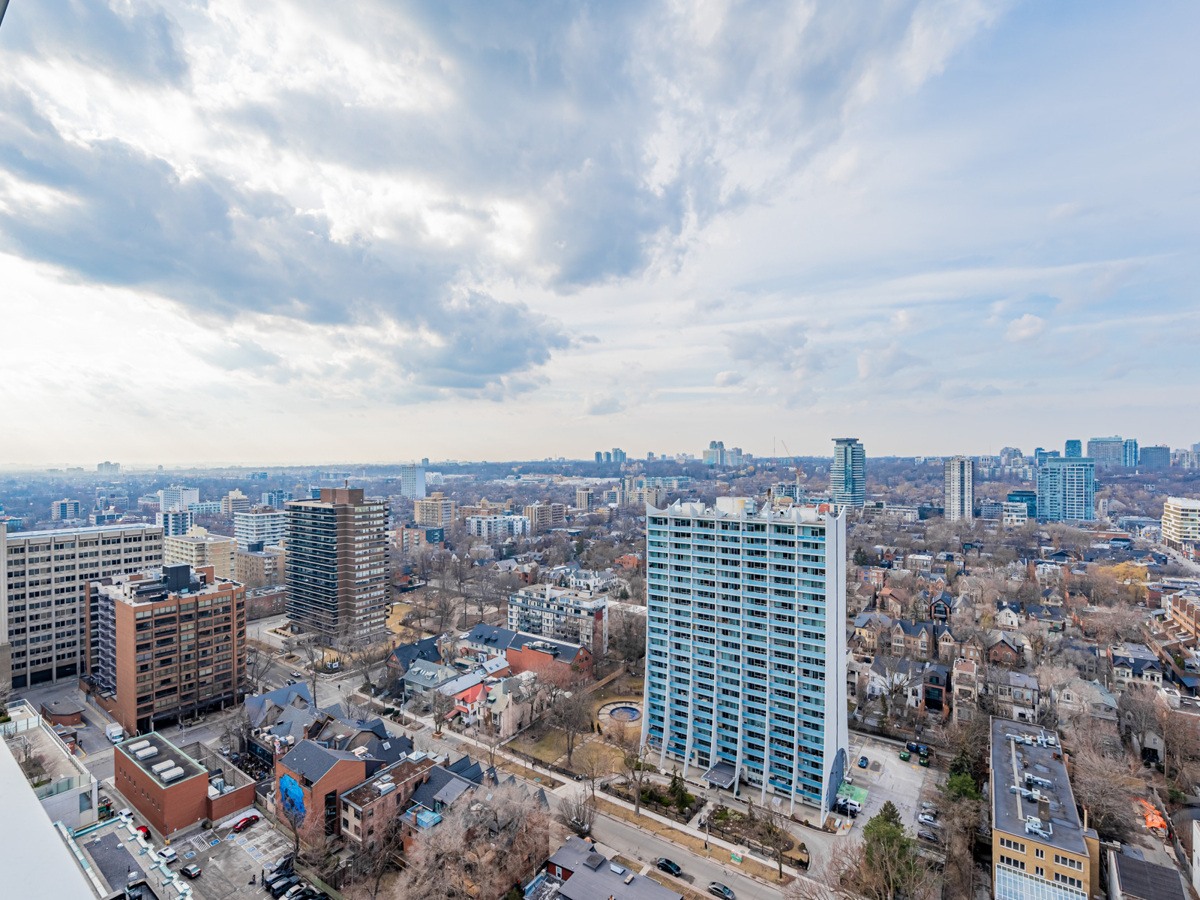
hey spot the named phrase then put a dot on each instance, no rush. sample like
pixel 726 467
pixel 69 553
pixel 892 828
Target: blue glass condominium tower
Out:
pixel 746 647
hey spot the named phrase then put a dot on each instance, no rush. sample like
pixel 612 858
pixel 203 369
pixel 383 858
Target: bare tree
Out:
pixel 571 714
pixel 771 830
pixel 313 653
pixel 634 765
pixel 1138 712
pixel 578 812
pixel 489 736
pixel 627 634
pixel 440 706
pixel 1105 786
pixel 594 763
pixel 376 858
pixel 1180 744
pixel 258 663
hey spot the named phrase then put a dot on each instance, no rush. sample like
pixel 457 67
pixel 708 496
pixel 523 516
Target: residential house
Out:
pixel 1078 699
pixel 577 871
pixel 1008 615
pixel 964 683
pixel 1131 877
pixel 369 807
pixel 1003 650
pixel 1017 696
pixel 556 660
pixel 1135 663
pixel 401 659
pixel 422 678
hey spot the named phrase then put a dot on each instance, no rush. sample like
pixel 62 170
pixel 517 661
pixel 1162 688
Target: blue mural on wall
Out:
pixel 292 796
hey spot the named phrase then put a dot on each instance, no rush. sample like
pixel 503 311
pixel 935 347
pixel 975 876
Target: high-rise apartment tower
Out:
pixel 1066 490
pixel 746 648
pixel 337 564
pixel 848 475
pixel 960 489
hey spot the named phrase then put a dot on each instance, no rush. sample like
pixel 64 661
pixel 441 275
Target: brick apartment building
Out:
pixel 162 646
pixel 369 807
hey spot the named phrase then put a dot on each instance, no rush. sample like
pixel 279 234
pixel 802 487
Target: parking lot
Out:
pixel 887 777
pixel 227 860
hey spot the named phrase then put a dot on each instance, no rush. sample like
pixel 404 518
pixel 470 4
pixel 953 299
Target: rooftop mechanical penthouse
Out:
pixel 746 646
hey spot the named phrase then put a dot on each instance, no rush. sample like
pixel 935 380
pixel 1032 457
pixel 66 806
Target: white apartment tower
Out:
pixel 260 526
pixel 44 590
pixel 412 482
pixel 746 647
pixel 177 497
pixel 960 490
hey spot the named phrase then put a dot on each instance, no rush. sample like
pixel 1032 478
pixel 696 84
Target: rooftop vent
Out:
pixel 147 752
pixel 171 775
pixel 134 748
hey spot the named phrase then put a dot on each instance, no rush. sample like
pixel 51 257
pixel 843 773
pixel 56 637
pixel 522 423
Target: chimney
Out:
pixel 1044 809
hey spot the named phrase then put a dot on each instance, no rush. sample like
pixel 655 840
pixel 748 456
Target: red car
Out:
pixel 243 824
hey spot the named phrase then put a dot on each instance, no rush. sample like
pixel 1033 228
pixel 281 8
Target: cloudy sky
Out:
pixel 282 231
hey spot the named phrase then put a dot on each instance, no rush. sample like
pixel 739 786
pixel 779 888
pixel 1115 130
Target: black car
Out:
pixel 929 836
pixel 671 868
pixel 719 890
pixel 270 879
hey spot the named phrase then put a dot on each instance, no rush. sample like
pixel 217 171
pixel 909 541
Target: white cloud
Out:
pixel 1023 329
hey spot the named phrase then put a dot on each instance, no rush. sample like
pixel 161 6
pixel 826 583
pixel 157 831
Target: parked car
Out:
pixel 125 815
pixel 278 878
pixel 191 870
pixel 168 854
pixel 290 681
pixel 297 674
pixel 929 804
pixel 671 868
pixel 296 890
pixel 926 819
pixel 243 824
pixel 279 888
pixel 719 890
pixel 928 836
pixel 862 762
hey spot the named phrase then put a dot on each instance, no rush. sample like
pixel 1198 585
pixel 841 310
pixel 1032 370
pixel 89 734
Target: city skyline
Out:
pixel 327 222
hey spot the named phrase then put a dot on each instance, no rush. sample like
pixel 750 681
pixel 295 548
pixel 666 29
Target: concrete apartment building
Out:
pixel 960 490
pixel 198 548
pixel 44 596
pixel 848 474
pixel 261 527
pixel 64 509
pixel 435 511
pixel 562 614
pixel 337 564
pixel 175 521
pixel 235 502
pixel 260 568
pixel 177 497
pixel 412 482
pixel 1181 524
pixel 497 528
pixel 746 656
pixel 545 516
pixel 164 645
pixel 1040 849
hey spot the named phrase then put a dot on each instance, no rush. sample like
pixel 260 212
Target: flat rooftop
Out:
pixel 164 751
pixel 28 730
pixel 1027 767
pixel 83 529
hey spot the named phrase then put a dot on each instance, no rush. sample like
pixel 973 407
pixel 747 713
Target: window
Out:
pixel 1068 880
pixel 1012 845
pixel 1039 871
pixel 1012 863
pixel 1039 852
pixel 1068 862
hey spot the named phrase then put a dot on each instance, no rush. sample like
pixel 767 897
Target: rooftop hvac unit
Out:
pixel 134 748
pixel 162 766
pixel 386 789
pixel 384 779
pixel 147 752
pixel 171 775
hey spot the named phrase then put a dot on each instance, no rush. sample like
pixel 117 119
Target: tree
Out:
pixel 860 557
pixel 258 663
pixel 1180 744
pixel 885 865
pixel 1103 790
pixel 1138 712
pixel 440 706
pixel 313 652
pixel 634 765
pixel 578 812
pixel 571 714
pixel 376 858
pixel 627 634
pixel 771 830
pixel 594 763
